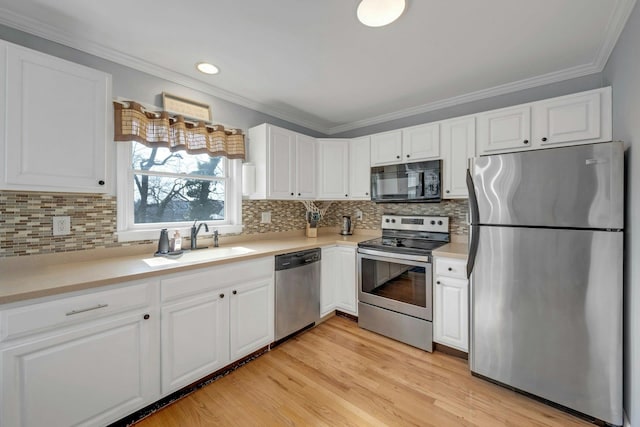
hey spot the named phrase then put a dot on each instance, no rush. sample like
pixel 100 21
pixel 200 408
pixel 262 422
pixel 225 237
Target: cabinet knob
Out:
pixel 299 194
pixel 366 194
pixel 101 182
pixel 346 195
pixel 526 141
pixel 408 156
pixel 450 269
pixel 292 194
pixel 221 295
pixel 146 317
pixel 447 191
pixel 438 282
pixel 544 139
pixel 235 292
pixel 397 157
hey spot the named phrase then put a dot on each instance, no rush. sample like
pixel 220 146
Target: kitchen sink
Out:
pixel 190 256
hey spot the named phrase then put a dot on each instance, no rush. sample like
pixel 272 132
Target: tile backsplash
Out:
pixel 26 219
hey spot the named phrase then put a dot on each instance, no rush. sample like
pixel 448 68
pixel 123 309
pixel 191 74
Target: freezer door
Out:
pixel 546 315
pixel 571 187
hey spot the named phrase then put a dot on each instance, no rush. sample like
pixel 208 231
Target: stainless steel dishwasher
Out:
pixel 297 291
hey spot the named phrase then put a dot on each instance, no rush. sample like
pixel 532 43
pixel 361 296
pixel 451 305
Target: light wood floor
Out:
pixel 339 375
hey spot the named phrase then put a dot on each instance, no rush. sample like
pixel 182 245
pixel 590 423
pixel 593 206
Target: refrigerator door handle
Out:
pixel 474 215
pixel 474 218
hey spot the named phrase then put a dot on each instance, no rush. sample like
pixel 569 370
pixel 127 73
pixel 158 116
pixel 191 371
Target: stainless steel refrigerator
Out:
pixel 545 268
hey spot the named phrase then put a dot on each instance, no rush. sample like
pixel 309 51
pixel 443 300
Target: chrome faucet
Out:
pixel 194 233
pixel 215 239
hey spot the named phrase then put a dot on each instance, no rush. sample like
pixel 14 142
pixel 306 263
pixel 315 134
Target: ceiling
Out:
pixel 312 63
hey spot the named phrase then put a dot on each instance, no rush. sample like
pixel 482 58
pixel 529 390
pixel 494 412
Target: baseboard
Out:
pixel 627 423
pixel 346 315
pixel 149 410
pixel 450 351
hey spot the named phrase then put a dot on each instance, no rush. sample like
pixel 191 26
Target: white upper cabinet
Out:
pixel 583 117
pixel 579 118
pixel 53 122
pixel 305 166
pixel 333 169
pixel 421 142
pixel 282 164
pixel 406 145
pixel 458 146
pixel 285 163
pixel 386 148
pixel 360 168
pixel 507 129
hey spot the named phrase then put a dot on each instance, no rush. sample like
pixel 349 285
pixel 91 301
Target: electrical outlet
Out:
pixel 61 225
pixel 359 215
pixel 266 218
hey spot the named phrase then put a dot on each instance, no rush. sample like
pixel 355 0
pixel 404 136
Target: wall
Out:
pixel 132 84
pixel 25 219
pixel 566 87
pixel 623 73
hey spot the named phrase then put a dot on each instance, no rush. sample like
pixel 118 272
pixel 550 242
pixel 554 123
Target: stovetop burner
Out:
pixel 409 246
pixel 415 235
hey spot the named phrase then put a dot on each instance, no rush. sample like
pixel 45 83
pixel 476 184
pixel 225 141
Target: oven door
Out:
pixel 397 282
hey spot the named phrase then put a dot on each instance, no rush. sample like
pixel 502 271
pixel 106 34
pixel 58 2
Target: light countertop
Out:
pixel 45 275
pixel 452 250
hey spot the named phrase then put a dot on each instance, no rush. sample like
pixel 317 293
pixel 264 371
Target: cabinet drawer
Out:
pixel 33 318
pixel 186 284
pixel 451 267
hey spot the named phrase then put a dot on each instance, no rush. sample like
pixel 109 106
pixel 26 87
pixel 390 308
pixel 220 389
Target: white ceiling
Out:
pixel 312 63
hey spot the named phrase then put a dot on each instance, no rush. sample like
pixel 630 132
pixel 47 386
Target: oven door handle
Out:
pixel 393 257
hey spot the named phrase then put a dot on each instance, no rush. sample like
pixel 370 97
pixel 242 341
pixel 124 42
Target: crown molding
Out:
pixel 617 20
pixel 556 76
pixel 49 32
pixel 616 23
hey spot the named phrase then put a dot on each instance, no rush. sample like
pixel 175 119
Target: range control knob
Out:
pixel 386 220
pixel 439 222
pixel 433 222
pixel 393 221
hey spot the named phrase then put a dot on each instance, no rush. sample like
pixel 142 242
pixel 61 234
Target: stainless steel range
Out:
pixel 395 278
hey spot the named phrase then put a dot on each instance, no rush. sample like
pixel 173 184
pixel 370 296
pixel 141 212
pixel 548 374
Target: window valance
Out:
pixel 132 122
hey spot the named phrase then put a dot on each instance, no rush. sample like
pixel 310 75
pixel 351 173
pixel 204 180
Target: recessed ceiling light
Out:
pixel 205 67
pixel 378 13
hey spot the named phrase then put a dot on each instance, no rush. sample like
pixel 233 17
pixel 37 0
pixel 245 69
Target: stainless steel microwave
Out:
pixel 408 182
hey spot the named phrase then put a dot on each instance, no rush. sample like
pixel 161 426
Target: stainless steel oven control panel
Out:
pixel 439 224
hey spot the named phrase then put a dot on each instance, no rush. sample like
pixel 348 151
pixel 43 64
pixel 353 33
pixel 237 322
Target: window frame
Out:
pixel 128 231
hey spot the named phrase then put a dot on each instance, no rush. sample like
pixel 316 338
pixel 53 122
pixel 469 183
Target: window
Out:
pixel 164 189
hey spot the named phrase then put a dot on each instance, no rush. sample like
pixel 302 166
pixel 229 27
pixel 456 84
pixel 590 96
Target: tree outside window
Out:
pixel 177 186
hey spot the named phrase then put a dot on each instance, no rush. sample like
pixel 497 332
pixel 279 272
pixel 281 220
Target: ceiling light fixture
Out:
pixel 378 13
pixel 205 67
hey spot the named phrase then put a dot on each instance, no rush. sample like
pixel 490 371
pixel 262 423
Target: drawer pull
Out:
pixel 72 312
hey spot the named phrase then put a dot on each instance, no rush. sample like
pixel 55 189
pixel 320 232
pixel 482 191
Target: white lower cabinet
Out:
pixel 91 358
pixel 190 350
pixel 92 372
pixel 451 303
pixel 251 317
pixel 213 317
pixel 338 288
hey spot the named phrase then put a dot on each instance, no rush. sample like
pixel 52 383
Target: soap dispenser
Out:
pixel 177 241
pixel 163 242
